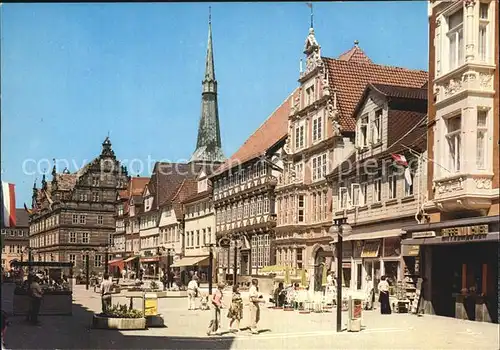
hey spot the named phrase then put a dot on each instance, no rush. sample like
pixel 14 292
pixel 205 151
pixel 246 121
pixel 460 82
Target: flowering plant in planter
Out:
pixel 122 311
pixel 154 285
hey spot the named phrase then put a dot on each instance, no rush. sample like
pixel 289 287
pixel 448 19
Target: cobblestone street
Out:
pixel 279 330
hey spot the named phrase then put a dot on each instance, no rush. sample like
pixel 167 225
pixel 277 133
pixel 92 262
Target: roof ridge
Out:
pixel 268 117
pixel 375 64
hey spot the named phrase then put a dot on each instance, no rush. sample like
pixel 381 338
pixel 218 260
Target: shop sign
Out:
pixel 150 305
pixel 411 250
pixel 465 231
pixel 423 234
pixel 371 249
pixel 224 242
pixel 346 265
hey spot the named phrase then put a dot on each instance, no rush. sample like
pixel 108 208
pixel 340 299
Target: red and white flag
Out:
pixel 399 159
pixel 8 210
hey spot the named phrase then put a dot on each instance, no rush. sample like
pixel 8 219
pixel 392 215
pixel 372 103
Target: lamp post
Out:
pixel 210 246
pixel 340 229
pixel 86 252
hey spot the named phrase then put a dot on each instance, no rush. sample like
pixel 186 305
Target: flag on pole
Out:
pixel 399 159
pixel 408 176
pixel 8 210
pixel 29 211
pixel 309 4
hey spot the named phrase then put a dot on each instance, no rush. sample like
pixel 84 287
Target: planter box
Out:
pixel 52 304
pixel 102 322
pixel 155 321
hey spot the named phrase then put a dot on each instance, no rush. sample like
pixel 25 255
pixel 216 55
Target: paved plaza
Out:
pixel 279 330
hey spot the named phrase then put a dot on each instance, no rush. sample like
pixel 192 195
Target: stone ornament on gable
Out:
pixel 483 184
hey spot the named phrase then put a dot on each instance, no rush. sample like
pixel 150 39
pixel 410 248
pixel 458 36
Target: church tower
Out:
pixel 209 145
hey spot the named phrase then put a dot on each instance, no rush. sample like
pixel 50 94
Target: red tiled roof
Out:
pixel 197 196
pixel 268 134
pixel 355 55
pixel 167 177
pixel 187 188
pixel 349 77
pixel 399 122
pixel 135 187
pixel 406 92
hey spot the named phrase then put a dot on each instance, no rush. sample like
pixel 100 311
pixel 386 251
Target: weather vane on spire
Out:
pixel 310 5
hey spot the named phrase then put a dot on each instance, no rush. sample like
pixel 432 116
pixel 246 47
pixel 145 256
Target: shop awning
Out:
pixel 115 261
pixel 190 261
pixel 374 235
pixel 490 237
pixel 129 259
pixel 452 223
pixel 370 249
pixel 150 259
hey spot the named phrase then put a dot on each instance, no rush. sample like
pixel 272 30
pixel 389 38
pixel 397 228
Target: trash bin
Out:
pixel 355 314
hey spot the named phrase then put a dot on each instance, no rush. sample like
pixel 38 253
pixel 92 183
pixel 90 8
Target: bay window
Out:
pixel 481 142
pixel 456 39
pixel 454 142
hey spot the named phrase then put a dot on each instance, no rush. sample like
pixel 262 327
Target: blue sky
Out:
pixel 73 72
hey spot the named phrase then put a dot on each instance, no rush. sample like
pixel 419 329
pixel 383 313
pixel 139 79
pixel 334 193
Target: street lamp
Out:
pixel 210 246
pixel 340 229
pixel 86 252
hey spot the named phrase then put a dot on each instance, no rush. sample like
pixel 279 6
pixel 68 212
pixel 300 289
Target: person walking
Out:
pixel 164 280
pixel 255 299
pixel 369 295
pixel 383 287
pixel 36 294
pixel 235 312
pixel 214 326
pixel 106 286
pixel 192 292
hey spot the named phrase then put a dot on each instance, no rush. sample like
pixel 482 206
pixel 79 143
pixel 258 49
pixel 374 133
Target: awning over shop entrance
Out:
pixel 129 259
pixel 370 249
pixel 374 235
pixel 191 261
pixel 116 263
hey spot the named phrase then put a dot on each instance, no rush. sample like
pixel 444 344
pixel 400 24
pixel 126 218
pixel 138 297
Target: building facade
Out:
pixel 199 228
pixel 127 232
pixel 376 194
pixel 244 198
pixel 321 136
pixel 73 216
pixel 458 246
pixel 15 240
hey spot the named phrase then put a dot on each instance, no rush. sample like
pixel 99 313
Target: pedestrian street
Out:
pixel 278 330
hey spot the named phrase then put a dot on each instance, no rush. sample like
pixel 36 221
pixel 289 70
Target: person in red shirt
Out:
pixel 214 325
